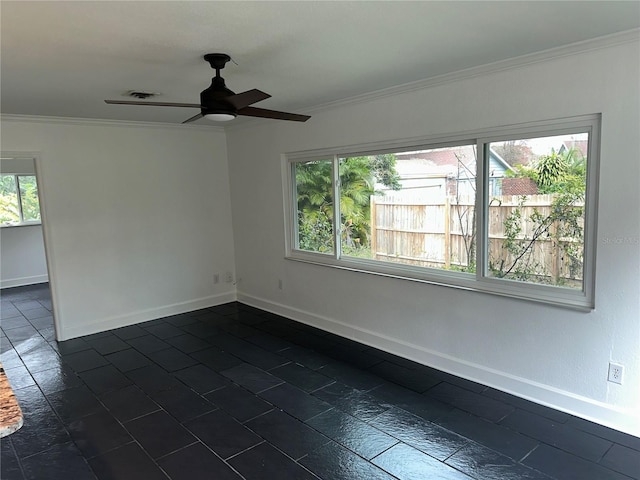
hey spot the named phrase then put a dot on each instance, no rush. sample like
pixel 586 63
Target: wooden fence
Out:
pixel 442 234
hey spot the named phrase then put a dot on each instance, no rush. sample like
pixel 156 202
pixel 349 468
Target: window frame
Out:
pixel 22 222
pixel 579 299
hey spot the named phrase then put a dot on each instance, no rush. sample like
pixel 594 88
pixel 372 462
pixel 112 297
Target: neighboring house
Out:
pixel 432 174
pixel 581 146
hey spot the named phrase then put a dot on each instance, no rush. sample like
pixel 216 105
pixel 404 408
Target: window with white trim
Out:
pixel 509 211
pixel 19 204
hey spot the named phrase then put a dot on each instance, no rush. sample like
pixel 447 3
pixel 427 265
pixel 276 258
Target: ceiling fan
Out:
pixel 218 103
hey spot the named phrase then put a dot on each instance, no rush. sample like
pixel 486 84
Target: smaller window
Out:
pixel 314 200
pixel 19 203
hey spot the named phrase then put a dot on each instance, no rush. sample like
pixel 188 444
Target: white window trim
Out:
pixel 563 297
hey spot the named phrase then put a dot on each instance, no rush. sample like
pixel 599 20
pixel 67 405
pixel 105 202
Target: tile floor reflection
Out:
pixel 232 392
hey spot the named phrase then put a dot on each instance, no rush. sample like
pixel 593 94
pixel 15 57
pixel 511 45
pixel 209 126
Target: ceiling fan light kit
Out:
pixel 218 103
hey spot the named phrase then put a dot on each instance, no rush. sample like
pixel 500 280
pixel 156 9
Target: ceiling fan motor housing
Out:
pixel 213 98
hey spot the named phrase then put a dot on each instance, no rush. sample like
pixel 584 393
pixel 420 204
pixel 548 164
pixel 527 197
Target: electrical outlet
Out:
pixel 616 373
pixel 229 277
pixel 216 278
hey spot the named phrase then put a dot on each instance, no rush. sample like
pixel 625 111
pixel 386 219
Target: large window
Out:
pixel 18 200
pixel 509 211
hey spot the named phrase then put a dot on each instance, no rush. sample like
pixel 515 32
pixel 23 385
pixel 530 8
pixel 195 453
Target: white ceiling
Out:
pixel 65 58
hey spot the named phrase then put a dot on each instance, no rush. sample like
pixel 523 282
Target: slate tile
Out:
pixel 153 379
pixel 188 343
pixel 147 344
pixel 610 434
pixel 419 433
pixel 565 466
pixel 72 346
pixel 555 415
pixel 251 378
pixel 127 360
pixel 559 435
pixel 128 403
pixel 104 379
pixel 14 322
pixel 34 313
pixel 107 344
pixel 302 377
pixel 406 462
pixel 361 405
pixel 293 437
pixel 352 433
pixel 472 402
pixel 42 323
pixel 623 459
pixel 216 359
pixel 497 437
pixel 263 461
pixel 332 461
pixel 75 403
pixel 480 462
pixel 85 360
pixel 348 375
pixel 164 331
pixel 183 403
pixel 41 358
pixel 305 357
pixel 222 433
pixel 129 332
pixel 268 342
pixel 295 402
pixel 201 378
pixel 172 359
pixel 238 402
pixel 59 462
pixel 98 433
pixel 60 377
pixel 413 402
pixel 126 462
pixel 335 391
pixel 159 433
pixel 181 319
pixel 9 465
pixel 197 462
pixel 200 329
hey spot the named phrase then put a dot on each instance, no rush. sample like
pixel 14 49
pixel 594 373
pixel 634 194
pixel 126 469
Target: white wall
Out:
pixel 554 356
pixel 22 259
pixel 137 218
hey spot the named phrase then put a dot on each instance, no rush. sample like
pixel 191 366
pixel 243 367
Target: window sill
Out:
pixel 24 224
pixel 549 295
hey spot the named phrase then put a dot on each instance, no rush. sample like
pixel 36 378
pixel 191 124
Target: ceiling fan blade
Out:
pixel 244 99
pixel 194 118
pixel 264 113
pixel 153 104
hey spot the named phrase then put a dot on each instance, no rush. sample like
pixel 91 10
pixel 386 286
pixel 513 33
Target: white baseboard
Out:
pixel 110 323
pixel 22 281
pixel 625 420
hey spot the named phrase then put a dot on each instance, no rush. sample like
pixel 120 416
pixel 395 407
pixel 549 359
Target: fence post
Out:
pixel 555 253
pixel 447 233
pixel 373 241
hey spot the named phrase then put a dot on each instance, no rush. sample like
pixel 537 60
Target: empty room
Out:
pixel 320 240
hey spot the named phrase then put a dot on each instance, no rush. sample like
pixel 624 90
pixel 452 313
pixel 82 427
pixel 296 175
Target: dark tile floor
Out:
pixel 232 392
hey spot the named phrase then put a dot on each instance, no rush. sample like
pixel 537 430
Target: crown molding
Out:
pixel 607 41
pixel 103 122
